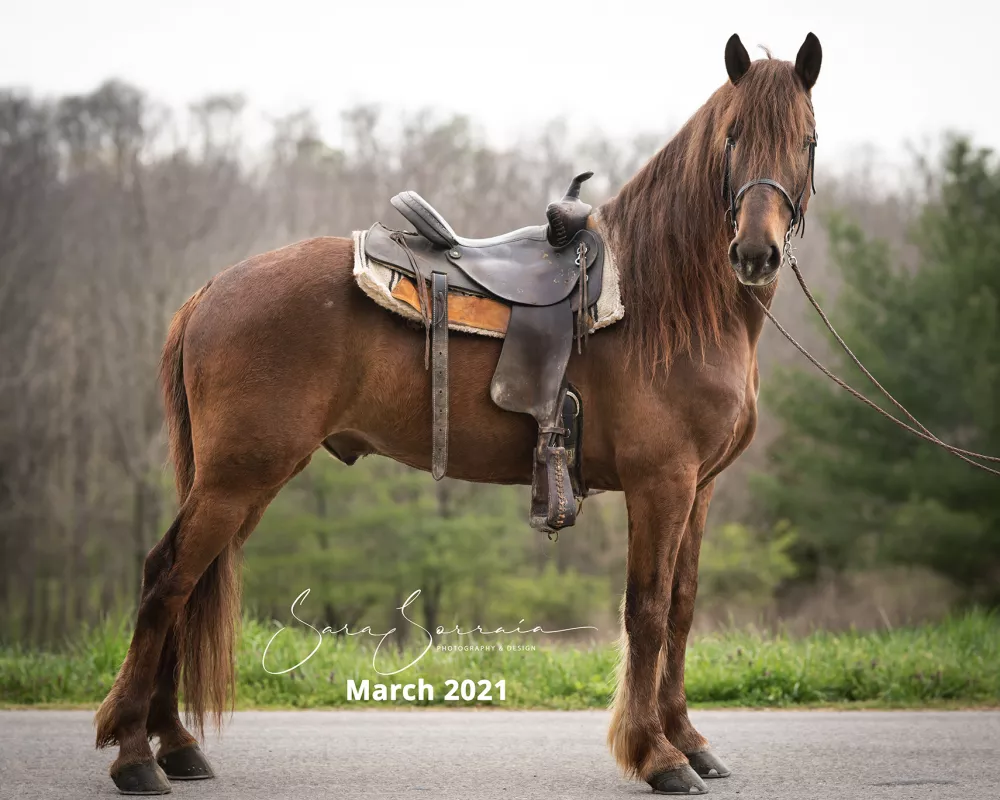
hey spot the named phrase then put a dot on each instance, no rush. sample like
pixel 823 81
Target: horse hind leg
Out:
pixel 202 529
pixel 203 540
pixel 671 697
pixel 178 753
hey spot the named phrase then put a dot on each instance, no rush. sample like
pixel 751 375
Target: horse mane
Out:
pixel 667 225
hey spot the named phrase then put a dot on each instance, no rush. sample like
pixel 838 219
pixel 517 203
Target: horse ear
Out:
pixel 808 61
pixel 737 58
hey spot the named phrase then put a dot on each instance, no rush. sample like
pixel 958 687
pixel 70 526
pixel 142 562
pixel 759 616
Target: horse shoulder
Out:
pixel 720 401
pixel 735 389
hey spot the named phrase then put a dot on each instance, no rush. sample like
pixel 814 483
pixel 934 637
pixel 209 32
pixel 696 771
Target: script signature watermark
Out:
pixel 382 637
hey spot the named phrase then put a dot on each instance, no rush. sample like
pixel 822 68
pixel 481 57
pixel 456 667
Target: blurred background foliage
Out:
pixel 860 491
pixel 113 209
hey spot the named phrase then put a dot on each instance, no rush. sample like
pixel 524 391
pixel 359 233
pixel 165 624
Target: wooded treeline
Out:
pixel 114 209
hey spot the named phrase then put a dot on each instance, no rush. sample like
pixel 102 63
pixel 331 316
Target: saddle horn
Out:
pixel 574 187
pixel 567 217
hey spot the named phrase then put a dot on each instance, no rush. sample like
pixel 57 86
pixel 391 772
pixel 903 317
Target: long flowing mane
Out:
pixel 667 225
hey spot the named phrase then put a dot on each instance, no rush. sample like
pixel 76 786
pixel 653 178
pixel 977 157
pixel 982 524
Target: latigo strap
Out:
pixel 439 373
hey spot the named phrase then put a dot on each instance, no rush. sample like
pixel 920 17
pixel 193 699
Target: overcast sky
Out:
pixel 893 74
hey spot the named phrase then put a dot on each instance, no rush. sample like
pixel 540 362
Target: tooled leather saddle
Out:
pixel 550 277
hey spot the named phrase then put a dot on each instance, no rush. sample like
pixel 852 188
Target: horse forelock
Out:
pixel 667 225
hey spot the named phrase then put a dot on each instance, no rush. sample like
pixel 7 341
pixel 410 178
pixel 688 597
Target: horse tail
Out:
pixel 207 628
pixel 175 400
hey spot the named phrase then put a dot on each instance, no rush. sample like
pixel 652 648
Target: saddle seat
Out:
pixel 520 267
pixel 549 276
pixel 435 228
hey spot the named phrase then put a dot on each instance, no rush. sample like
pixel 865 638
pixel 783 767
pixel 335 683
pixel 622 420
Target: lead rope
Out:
pixel 923 433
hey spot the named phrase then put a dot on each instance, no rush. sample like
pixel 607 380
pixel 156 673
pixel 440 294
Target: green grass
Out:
pixel 955 663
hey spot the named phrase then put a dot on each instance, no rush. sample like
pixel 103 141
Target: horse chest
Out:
pixel 744 424
pixel 723 410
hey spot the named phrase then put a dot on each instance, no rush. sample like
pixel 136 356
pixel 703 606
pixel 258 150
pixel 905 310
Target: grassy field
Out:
pixel 956 662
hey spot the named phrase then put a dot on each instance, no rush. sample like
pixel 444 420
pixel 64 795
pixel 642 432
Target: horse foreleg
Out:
pixel 659 505
pixel 672 698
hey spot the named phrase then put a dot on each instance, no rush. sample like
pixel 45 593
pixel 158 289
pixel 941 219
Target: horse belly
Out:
pixel 389 411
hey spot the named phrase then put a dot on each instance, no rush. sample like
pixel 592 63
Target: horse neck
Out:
pixel 751 317
pixel 668 231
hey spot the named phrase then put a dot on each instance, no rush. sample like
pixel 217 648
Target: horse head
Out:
pixel 769 146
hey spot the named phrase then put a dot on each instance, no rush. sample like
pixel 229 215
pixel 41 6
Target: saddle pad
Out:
pixel 396 292
pixel 481 314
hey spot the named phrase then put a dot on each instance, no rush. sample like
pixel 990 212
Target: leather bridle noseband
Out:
pixel 798 220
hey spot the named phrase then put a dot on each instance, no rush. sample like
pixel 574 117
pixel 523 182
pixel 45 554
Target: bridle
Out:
pixel 797 223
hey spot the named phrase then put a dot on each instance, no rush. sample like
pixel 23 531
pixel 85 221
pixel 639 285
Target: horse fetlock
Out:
pixel 172 735
pixel 106 721
pixel 118 718
pixel 640 747
pixel 682 734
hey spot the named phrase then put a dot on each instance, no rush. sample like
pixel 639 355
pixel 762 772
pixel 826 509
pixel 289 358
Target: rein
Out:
pixel 923 432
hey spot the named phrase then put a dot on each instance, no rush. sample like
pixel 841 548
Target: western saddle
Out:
pixel 549 276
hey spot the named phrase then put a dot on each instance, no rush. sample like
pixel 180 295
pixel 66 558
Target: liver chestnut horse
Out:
pixel 282 354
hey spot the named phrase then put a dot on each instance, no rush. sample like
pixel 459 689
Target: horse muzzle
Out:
pixel 755 263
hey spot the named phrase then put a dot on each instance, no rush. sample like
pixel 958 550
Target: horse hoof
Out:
pixel 708 765
pixel 681 780
pixel 144 778
pixel 186 764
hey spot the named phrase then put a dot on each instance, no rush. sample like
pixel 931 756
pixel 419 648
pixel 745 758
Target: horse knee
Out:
pixel 684 594
pixel 645 614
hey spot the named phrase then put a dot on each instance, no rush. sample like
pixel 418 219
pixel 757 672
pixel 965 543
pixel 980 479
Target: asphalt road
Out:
pixel 470 755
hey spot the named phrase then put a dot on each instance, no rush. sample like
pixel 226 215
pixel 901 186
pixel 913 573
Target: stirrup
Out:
pixel 553 505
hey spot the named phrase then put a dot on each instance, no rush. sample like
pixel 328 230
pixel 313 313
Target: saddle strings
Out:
pixel 583 315
pixel 923 432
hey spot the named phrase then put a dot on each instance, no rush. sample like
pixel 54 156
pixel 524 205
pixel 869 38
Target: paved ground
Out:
pixel 469 755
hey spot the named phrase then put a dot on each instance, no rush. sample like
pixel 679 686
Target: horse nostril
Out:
pixel 774 260
pixel 734 254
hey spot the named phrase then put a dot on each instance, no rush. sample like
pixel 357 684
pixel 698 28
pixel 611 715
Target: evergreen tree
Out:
pixel 859 490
